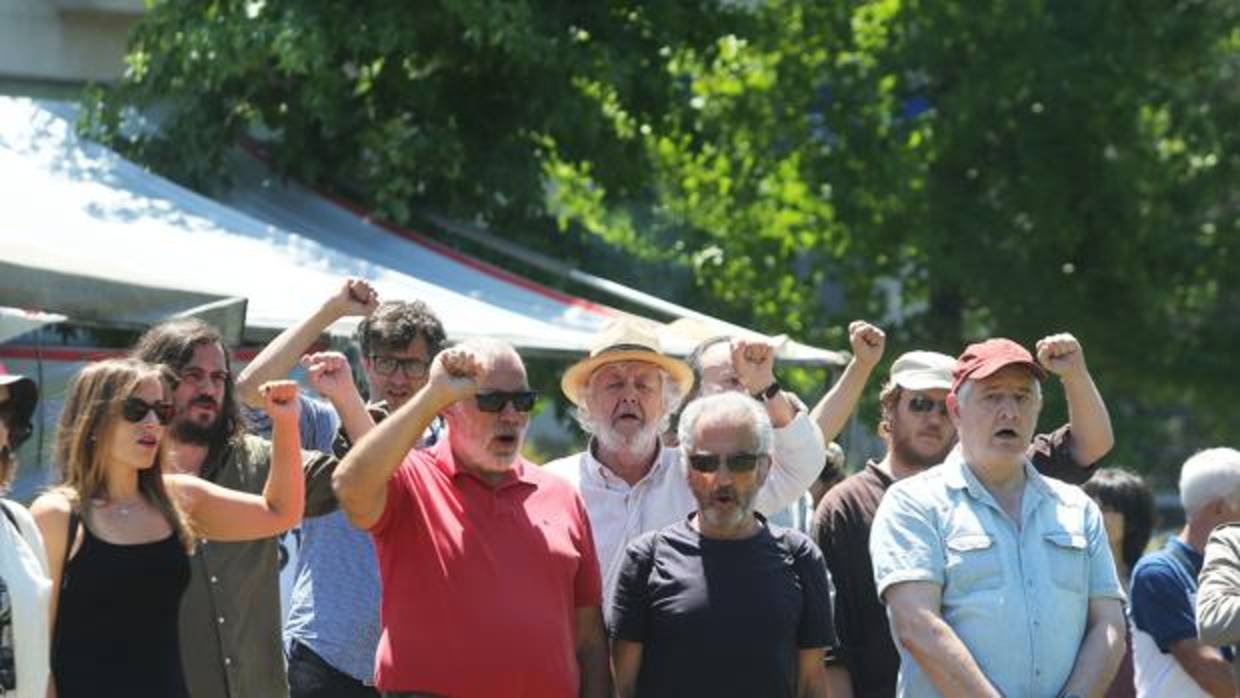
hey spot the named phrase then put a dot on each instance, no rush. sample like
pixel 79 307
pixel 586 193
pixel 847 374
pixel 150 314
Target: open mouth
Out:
pixel 148 441
pixel 724 497
pixel 506 441
pixel 1006 434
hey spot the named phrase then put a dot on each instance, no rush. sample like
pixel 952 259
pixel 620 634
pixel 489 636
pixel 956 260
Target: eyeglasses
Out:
pixel 135 410
pixel 924 405
pixel 522 400
pixel 736 462
pixel 386 365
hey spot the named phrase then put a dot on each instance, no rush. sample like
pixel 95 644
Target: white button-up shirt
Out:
pixel 620 512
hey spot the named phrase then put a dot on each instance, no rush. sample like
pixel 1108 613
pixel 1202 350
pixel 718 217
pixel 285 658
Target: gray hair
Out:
pixel 1209 475
pixel 491 351
pixel 754 418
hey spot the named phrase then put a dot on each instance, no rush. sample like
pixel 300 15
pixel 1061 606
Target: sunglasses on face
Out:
pixel 736 462
pixel 19 431
pixel 413 369
pixel 522 400
pixel 135 410
pixel 924 405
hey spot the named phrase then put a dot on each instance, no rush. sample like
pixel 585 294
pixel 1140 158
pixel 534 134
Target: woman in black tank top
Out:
pixel 119 532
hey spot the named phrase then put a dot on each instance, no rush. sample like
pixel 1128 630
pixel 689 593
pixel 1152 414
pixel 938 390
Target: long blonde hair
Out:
pixel 91 409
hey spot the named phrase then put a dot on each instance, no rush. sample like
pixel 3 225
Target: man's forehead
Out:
pixel 503 374
pixel 207 355
pixel 625 368
pixel 415 349
pixel 1013 377
pixel 722 429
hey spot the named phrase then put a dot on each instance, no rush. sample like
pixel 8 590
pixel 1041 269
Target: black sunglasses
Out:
pixel 19 430
pixel 135 410
pixel 924 405
pixel 522 400
pixel 736 462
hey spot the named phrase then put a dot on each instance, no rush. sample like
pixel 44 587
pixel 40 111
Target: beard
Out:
pixel 904 451
pixel 638 444
pixel 191 432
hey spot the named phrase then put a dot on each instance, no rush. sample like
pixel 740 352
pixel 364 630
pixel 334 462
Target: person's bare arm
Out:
pixel 833 410
pixel 220 513
pixel 331 375
pixel 626 663
pixel 1101 651
pixel 811 674
pixel 918 627
pixel 355 297
pixel 839 683
pixel 1206 666
pixel 360 481
pixel 1092 437
pixel 592 654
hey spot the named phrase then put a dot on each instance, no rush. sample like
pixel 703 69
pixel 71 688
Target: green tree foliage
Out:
pixel 953 169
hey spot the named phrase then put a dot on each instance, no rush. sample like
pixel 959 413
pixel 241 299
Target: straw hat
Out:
pixel 623 340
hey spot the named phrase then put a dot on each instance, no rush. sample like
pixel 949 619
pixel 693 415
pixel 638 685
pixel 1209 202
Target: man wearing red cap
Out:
pixel 918 434
pixel 997 580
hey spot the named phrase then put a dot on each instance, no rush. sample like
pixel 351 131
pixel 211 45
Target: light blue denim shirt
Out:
pixel 1017 599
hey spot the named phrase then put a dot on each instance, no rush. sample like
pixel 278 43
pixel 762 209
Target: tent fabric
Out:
pixel 91 235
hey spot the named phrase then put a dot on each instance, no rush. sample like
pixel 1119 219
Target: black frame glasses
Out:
pixel 739 462
pixel 920 404
pixel 413 367
pixel 135 409
pixel 522 400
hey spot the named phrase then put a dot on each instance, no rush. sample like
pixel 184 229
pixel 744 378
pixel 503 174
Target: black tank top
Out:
pixel 116 623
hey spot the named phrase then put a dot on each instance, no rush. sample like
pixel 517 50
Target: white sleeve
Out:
pixel 30 532
pixel 800 455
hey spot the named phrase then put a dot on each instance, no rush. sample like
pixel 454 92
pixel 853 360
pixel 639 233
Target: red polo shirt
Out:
pixel 481 583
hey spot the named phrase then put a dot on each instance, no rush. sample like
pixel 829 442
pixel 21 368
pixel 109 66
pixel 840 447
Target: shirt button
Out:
pixel 215 579
pixel 221 620
pixel 227 661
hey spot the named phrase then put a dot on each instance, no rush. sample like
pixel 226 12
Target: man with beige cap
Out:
pixel 630 481
pixel 915 427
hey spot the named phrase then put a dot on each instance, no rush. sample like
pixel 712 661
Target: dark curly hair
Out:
pixel 395 324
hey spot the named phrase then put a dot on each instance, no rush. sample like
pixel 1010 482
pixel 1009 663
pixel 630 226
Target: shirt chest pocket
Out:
pixel 1067 559
pixel 973 564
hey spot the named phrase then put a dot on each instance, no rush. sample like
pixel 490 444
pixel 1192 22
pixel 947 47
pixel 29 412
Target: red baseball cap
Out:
pixel 985 358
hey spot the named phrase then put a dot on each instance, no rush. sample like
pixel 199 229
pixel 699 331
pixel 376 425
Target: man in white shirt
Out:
pixel 630 481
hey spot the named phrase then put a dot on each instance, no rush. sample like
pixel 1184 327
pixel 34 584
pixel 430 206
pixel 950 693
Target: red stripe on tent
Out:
pixel 477 264
pixel 258 150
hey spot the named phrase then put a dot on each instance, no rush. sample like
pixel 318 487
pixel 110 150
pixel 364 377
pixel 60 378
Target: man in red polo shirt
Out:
pixel 491 585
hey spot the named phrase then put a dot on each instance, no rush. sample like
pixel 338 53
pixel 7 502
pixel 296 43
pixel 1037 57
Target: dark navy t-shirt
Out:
pixel 1164 592
pixel 722 618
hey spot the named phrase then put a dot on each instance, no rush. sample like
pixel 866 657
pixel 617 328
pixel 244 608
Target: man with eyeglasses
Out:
pixel 918 433
pixel 230 614
pixel 720 603
pixel 490 581
pixel 332 629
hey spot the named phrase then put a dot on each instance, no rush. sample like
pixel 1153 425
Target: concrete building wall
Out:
pixel 65 41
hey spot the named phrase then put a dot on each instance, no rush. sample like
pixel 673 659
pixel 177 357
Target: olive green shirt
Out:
pixel 230 614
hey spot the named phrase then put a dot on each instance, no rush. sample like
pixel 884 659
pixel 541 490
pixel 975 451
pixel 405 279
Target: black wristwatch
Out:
pixel 768 392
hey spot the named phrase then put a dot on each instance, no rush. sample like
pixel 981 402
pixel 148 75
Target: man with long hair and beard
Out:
pixel 230 613
pixel 918 434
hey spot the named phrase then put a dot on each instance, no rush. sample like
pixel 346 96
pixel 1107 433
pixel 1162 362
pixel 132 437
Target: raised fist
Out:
pixel 753 360
pixel 280 400
pixel 329 372
pixel 1061 354
pixel 355 297
pixel 867 342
